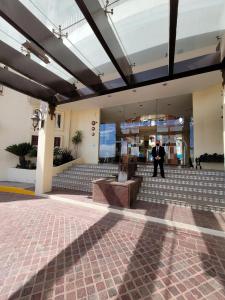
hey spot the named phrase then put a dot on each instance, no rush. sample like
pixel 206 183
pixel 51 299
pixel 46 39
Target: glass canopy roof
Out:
pixel 13 38
pixel 140 26
pixel 81 39
pixel 200 24
pixel 142 29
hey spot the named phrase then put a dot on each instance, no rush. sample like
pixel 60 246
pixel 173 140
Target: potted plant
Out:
pixel 76 140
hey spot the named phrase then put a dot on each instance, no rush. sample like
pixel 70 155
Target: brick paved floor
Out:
pixel 54 250
pixel 207 219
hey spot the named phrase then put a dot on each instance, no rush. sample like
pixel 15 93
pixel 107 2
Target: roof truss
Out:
pixel 27 24
pixel 29 68
pixel 24 85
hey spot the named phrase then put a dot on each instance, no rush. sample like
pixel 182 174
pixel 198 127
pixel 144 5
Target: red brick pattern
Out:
pixel 53 250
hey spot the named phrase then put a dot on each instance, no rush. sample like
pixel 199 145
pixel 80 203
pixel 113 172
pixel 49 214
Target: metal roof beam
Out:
pixel 29 68
pixel 15 13
pixel 98 20
pixel 172 33
pixel 24 85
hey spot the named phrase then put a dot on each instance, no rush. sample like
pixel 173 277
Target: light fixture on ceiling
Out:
pixel 31 47
pixel 181 120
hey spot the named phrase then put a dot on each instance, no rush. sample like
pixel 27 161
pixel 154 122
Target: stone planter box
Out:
pixel 29 176
pixel 111 192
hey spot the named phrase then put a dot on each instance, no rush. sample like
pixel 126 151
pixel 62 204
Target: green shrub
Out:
pixel 21 150
pixel 62 156
pixel 76 140
pixel 33 152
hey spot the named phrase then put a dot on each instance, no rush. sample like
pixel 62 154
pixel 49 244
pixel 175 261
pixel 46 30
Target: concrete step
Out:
pixel 214 207
pixel 83 177
pixel 90 171
pixel 173 181
pixel 211 198
pixel 97 167
pixel 148 176
pixel 71 185
pixel 171 170
pixel 71 180
pixel 183 188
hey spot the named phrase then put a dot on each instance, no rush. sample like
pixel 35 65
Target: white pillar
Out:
pixel 223 77
pixel 45 156
pixel 224 124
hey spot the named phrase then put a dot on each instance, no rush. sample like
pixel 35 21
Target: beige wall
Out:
pixel 208 124
pixel 81 120
pixel 14 126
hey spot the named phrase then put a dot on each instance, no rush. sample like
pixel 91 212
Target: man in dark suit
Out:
pixel 158 154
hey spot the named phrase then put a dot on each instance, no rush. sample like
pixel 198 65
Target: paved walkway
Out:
pixel 54 250
pixel 186 215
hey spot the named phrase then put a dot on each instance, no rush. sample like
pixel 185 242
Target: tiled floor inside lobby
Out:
pixel 55 250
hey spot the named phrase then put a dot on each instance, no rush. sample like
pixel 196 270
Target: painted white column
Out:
pixel 45 156
pixel 223 77
pixel 224 123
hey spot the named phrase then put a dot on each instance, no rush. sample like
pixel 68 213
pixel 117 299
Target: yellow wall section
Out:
pixel 208 124
pixel 82 120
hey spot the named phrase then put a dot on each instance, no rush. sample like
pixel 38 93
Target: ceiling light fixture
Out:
pixel 31 47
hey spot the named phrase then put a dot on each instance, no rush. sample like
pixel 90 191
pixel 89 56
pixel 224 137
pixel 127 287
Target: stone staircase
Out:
pixel 79 177
pixel 199 189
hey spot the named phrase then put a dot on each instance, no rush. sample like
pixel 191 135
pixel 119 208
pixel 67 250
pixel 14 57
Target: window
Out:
pixel 59 118
pixel 57 142
pixel 34 140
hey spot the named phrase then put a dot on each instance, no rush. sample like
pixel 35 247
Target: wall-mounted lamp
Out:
pixel 36 118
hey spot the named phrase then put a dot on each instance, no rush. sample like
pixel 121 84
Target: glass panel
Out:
pixel 142 30
pixel 200 24
pixel 13 38
pixel 81 39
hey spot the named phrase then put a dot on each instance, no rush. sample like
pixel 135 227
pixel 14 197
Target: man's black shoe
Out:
pixel 163 177
pixel 154 176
